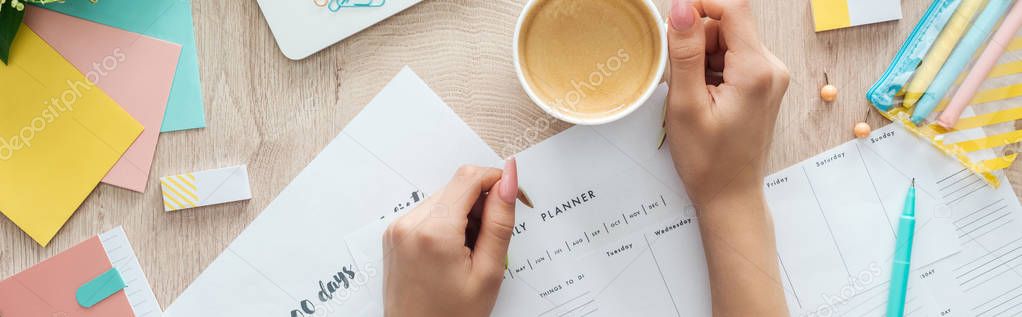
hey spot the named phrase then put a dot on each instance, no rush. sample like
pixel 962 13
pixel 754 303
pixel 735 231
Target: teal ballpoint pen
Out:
pixel 902 256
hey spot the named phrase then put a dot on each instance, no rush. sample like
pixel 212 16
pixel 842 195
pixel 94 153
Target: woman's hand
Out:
pixel 725 92
pixel 447 256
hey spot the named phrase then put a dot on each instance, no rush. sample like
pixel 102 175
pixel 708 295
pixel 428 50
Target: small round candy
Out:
pixel 828 93
pixel 862 130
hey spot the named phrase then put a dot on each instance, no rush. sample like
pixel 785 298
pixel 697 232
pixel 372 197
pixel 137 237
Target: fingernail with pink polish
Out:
pixel 682 17
pixel 509 181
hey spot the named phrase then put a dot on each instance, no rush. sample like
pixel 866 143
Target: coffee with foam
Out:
pixel 590 58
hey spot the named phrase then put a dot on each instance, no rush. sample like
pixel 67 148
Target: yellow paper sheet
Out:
pixel 59 135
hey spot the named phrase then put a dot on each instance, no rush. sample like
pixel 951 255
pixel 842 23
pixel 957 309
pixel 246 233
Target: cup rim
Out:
pixel 653 84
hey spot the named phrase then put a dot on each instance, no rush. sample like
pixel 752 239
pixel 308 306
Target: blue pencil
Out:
pixel 960 57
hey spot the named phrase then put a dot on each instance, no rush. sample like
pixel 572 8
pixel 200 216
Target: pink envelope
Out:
pixel 135 70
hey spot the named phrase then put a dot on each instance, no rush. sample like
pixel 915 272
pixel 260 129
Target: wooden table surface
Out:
pixel 275 114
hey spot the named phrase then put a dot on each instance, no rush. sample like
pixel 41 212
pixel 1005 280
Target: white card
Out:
pixel 304 27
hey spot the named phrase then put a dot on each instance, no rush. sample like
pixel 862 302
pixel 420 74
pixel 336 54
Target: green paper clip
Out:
pixel 99 288
pixel 336 5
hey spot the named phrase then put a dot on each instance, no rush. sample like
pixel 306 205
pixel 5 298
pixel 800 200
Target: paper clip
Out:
pixel 336 5
pixel 99 288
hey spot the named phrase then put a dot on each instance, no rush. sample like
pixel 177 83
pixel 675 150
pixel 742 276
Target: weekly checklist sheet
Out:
pixel 613 236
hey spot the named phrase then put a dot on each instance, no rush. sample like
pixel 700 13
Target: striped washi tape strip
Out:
pixel 205 188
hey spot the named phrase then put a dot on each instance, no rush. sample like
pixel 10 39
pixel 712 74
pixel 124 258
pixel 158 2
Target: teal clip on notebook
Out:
pixel 923 36
pixel 99 288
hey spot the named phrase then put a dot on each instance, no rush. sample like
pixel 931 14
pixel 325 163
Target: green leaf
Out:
pixel 10 20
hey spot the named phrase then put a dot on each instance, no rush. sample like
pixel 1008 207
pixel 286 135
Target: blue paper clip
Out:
pixel 336 5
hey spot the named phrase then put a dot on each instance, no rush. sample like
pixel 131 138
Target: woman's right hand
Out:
pixel 725 93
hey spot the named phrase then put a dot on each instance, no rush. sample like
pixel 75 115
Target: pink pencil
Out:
pixel 985 63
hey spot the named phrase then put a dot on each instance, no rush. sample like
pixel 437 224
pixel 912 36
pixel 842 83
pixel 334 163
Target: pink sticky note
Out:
pixel 135 70
pixel 48 289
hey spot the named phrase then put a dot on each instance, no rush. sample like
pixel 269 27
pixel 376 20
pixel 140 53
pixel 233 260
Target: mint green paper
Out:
pixel 169 20
pixel 99 288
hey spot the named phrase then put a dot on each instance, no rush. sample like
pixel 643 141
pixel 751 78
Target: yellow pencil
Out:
pixel 524 198
pixel 941 49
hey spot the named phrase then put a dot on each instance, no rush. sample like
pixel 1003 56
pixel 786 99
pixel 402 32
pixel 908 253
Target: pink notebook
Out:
pixel 48 288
